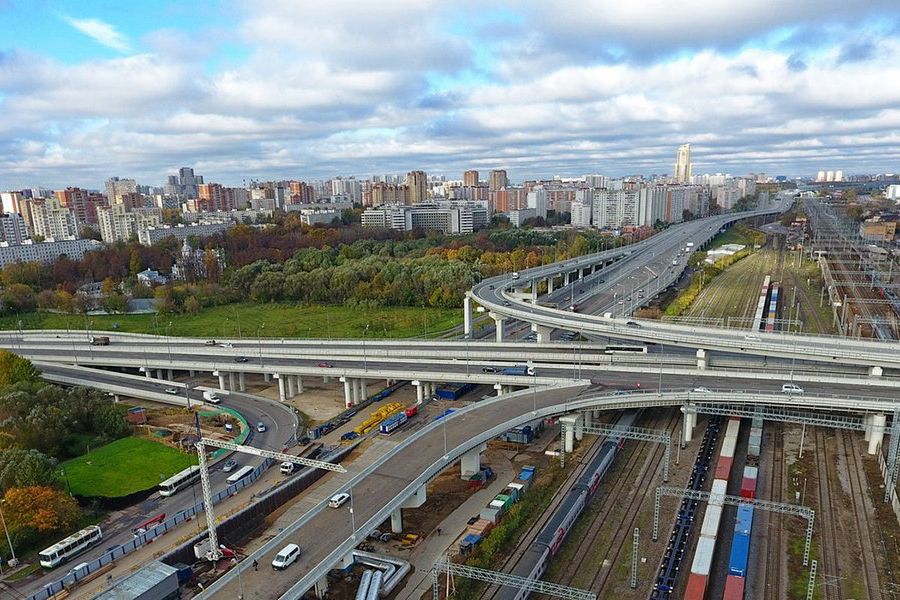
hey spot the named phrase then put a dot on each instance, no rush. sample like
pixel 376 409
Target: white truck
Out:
pixel 212 396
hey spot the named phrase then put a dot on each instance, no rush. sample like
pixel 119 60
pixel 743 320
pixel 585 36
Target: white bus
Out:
pixel 179 480
pixel 73 545
pixel 239 474
pixel 623 349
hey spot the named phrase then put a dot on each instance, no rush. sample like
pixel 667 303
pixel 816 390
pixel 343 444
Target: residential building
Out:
pixel 45 252
pixel 12 229
pixel 416 183
pixel 581 214
pixel 151 277
pixel 683 164
pixel 318 217
pixel 537 200
pixel 390 193
pixel 185 184
pixel 727 196
pixel 517 218
pixel 498 180
pixel 150 235
pixel 878 229
pixel 82 204
pixel 892 192
pixel 52 220
pixel 614 209
pixel 446 216
pixel 116 188
pixel 470 178
pixel 119 224
pixel 16 202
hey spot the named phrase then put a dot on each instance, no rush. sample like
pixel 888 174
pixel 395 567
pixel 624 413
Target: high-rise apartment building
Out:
pixel 16 202
pixel 416 182
pixel 117 223
pixel 116 188
pixel 52 220
pixel 470 178
pixel 537 200
pixel 683 164
pixel 499 180
pixel 185 184
pixel 12 229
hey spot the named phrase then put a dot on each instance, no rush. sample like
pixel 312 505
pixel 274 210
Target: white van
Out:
pixel 515 275
pixel 286 556
pixel 211 397
pixel 338 500
pixel 287 468
pixel 791 388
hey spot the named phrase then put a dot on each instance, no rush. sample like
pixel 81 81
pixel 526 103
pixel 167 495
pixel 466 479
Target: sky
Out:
pixel 301 89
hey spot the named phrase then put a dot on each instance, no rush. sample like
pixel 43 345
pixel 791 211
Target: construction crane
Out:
pixel 214 553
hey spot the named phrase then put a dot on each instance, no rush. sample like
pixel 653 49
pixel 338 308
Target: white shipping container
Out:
pixel 496 504
pixel 711 520
pixel 703 555
pixel 517 486
pixel 717 492
pixel 751 472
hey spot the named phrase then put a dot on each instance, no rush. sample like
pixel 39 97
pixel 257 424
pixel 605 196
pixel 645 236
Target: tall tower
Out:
pixel 498 180
pixel 683 164
pixel 415 182
pixel 470 178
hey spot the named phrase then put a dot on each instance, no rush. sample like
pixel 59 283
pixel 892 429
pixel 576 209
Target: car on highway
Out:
pixel 260 427
pixel 241 359
pixel 751 338
pixel 338 500
pixel 286 556
pixel 633 324
pixel 791 388
pixel 702 390
pixel 506 303
pixel 229 466
pixel 488 370
pixel 171 390
pixel 226 345
pixel 325 365
pixel 209 343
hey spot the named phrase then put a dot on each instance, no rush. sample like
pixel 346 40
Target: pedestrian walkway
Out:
pixel 435 546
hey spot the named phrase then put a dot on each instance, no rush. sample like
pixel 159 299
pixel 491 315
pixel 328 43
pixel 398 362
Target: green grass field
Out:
pixel 123 467
pixel 265 320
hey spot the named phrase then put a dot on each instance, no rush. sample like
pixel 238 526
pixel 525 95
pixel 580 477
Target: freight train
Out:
pixel 537 558
pixel 773 308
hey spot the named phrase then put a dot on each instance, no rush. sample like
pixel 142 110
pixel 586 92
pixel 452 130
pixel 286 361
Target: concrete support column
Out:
pixel 568 425
pixel 282 393
pixel 688 423
pixel 498 325
pixel 267 377
pixel 160 374
pixel 170 375
pixel 192 373
pixel 875 372
pixel 290 385
pixel 231 381
pixel 878 423
pixel 588 418
pixel 299 384
pixel 467 315
pixel 566 278
pixel 470 462
pixel 361 390
pixel 549 285
pixel 499 388
pixel 420 392
pixel 543 332
pixel 348 392
pixel 534 288
pixel 222 381
pixel 701 359
pixel 867 423
pixel 241 385
pixel 321 587
pixel 148 373
pixel 579 427
pixel 397 521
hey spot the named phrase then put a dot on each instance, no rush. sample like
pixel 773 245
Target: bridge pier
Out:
pixel 321 588
pixel 231 381
pixel 470 462
pixel 299 384
pixel 290 386
pixel 266 377
pixel 568 424
pixel 420 391
pixel 877 436
pixel 348 392
pixel 499 387
pixel 550 285
pixel 241 385
pixel 148 373
pixel 579 427
pixel 397 520
pixel 867 423
pixel 534 288
pixel 169 375
pixel 282 392
pixel 689 422
pixel 222 381
pixel 467 315
pixel 566 279
pixel 702 359
pixel 498 325
pixel 543 332
pixel 361 390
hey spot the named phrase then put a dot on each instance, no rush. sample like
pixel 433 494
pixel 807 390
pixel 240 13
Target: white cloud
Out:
pixel 101 32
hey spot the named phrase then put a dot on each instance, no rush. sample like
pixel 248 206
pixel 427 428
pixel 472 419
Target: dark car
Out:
pixel 209 343
pixel 241 359
pixel 325 365
pixel 488 370
pixel 633 324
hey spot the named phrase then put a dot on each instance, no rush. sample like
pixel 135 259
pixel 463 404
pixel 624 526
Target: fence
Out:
pixel 145 538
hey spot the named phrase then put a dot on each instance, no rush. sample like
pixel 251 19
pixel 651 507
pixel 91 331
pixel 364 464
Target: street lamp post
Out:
pixel 365 356
pixel 12 561
pixel 259 341
pixel 168 344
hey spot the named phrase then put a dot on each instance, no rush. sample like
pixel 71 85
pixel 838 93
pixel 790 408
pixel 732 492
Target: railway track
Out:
pixel 637 475
pixel 774 583
pixel 862 516
pixel 829 546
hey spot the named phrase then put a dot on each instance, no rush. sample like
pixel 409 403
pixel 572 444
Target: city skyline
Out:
pixel 88 91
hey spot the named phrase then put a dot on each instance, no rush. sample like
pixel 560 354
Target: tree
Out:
pixel 109 421
pixel 18 297
pixel 134 264
pixel 115 303
pixel 192 305
pixel 89 233
pixel 15 369
pixel 35 510
pixel 20 467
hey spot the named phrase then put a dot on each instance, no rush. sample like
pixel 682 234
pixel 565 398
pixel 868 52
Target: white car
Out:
pixel 286 556
pixel 702 390
pixel 226 345
pixel 338 500
pixel 791 388
pixel 173 391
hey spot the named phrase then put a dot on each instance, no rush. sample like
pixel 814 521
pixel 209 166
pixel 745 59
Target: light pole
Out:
pixel 187 394
pixel 259 341
pixel 352 516
pixel 12 561
pixel 169 345
pixel 365 356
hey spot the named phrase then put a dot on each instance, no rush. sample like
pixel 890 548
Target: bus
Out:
pixel 73 545
pixel 179 480
pixel 625 350
pixel 239 474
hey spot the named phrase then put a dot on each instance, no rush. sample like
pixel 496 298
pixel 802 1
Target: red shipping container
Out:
pixel 748 488
pixel 734 588
pixel 696 587
pixel 723 468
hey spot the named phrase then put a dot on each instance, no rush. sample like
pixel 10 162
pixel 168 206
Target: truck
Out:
pixel 517 370
pixel 690 244
pixel 99 340
pixel 212 396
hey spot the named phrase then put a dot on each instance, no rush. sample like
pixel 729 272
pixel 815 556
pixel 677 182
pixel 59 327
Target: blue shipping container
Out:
pixel 740 547
pixel 453 391
pixel 526 473
pixel 744 522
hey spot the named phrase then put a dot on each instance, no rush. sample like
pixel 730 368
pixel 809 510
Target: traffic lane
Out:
pixel 331 527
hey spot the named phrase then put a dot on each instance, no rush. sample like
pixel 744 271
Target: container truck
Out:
pixel 517 370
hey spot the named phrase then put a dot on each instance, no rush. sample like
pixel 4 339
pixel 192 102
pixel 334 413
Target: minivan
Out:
pixel 791 388
pixel 286 557
pixel 287 468
pixel 338 500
